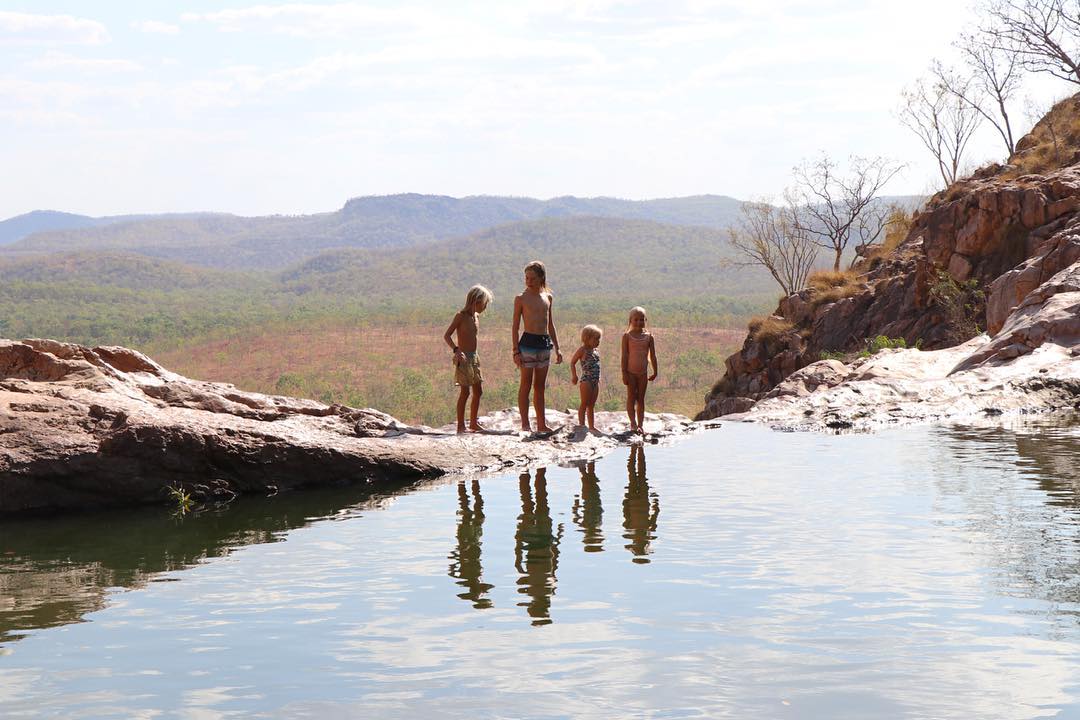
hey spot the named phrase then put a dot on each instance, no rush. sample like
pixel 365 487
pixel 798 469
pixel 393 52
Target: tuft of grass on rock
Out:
pixel 767 329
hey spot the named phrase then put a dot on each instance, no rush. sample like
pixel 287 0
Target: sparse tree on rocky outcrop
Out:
pixel 944 120
pixel 768 235
pixel 995 80
pixel 834 209
pixel 1045 34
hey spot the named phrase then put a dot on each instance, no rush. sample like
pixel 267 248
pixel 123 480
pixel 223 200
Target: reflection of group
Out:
pixel 538 538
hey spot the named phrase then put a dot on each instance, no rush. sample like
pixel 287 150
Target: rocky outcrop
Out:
pixel 88 427
pixel 981 247
pixel 1031 365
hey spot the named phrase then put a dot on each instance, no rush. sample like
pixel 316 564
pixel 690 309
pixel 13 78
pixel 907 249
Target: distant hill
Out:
pixel 276 242
pixel 16 228
pixel 586 257
pixel 111 269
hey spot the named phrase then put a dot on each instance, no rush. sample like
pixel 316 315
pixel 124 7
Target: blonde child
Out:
pixel 589 386
pixel 532 349
pixel 638 348
pixel 466 324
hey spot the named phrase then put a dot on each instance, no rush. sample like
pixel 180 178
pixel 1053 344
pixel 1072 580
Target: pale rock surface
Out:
pixel 89 427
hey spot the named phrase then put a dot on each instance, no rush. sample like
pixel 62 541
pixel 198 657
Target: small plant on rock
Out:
pixel 961 303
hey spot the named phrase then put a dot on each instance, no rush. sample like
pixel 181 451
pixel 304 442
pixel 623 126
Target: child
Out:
pixel 638 348
pixel 589 387
pixel 466 324
pixel 532 350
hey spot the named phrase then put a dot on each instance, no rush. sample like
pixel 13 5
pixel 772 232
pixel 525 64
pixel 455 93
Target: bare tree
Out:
pixel 1045 34
pixel 768 235
pixel 832 209
pixel 942 119
pixel 996 79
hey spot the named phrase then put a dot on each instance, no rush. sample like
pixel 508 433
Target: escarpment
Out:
pixel 988 247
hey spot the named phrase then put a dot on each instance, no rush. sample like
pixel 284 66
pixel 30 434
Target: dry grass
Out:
pixel 768 329
pixel 828 286
pixel 405 369
pixel 1052 143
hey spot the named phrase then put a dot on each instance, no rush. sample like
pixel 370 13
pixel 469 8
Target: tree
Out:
pixel 996 79
pixel 1044 34
pixel 833 209
pixel 944 121
pixel 768 235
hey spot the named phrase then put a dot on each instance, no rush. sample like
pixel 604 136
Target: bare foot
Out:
pixel 477 428
pixel 461 430
pixel 542 429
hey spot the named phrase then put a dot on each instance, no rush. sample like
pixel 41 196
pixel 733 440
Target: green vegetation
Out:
pixel 181 499
pixel 875 345
pixel 961 303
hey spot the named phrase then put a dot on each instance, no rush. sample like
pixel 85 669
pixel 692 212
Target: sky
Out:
pixel 290 108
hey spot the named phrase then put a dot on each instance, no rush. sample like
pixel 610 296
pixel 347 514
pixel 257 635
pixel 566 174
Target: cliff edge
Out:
pixel 998 252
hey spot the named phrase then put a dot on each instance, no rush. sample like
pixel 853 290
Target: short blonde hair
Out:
pixel 591 332
pixel 475 294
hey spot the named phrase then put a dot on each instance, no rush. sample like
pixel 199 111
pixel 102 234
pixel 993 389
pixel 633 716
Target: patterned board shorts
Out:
pixel 467 372
pixel 535 357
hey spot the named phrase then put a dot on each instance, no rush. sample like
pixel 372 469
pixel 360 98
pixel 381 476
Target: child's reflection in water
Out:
pixel 588 511
pixel 640 507
pixel 465 563
pixel 536 548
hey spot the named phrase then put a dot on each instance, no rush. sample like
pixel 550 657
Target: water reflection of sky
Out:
pixel 916 573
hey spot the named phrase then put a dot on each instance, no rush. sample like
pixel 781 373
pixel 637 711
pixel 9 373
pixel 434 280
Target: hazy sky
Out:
pixel 255 108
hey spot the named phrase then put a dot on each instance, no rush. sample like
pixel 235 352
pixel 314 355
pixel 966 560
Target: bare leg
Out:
pixel 523 397
pixel 594 392
pixel 583 392
pixel 631 398
pixel 463 397
pixel 474 407
pixel 643 385
pixel 539 384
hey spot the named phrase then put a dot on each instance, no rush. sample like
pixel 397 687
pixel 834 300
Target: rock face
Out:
pixel 1005 243
pixel 82 428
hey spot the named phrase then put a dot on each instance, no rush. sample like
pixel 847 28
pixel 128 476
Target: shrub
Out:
pixel 961 303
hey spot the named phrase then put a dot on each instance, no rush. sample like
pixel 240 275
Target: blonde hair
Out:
pixel 637 310
pixel 591 331
pixel 541 272
pixel 475 294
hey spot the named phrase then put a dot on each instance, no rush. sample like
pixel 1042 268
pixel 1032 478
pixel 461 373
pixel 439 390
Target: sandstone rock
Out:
pixel 89 427
pixel 1007 236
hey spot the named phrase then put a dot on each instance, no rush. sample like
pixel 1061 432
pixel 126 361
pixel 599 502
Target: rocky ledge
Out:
pixel 1031 364
pixel 90 427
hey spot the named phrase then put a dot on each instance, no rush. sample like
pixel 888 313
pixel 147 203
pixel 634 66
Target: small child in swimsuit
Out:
pixel 589 386
pixel 466 324
pixel 638 349
pixel 532 349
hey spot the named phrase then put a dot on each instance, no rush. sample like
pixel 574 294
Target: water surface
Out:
pixel 923 572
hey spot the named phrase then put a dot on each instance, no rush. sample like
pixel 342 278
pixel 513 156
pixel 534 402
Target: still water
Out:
pixel 916 573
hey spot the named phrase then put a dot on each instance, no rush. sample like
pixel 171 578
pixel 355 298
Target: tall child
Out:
pixel 532 349
pixel 466 324
pixel 638 348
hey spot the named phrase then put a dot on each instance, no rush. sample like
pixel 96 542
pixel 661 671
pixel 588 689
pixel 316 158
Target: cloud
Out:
pixel 314 20
pixel 155 27
pixel 27 29
pixel 88 66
